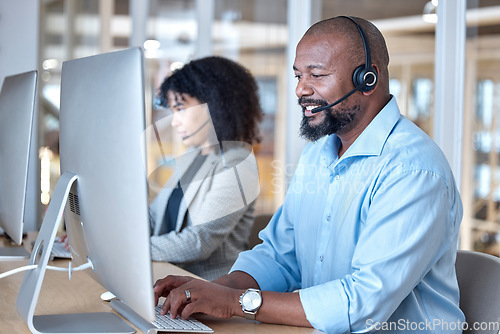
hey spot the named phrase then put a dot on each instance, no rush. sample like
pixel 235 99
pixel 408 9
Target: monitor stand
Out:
pixel 104 322
pixel 13 253
pixel 10 251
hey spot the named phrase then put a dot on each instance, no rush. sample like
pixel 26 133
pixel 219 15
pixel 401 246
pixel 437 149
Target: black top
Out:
pixel 174 202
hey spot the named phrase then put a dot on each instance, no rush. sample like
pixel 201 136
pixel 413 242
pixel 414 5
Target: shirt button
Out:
pixel 337 177
pixel 321 258
pixel 328 218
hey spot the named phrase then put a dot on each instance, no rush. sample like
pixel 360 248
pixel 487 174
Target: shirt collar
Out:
pixel 370 142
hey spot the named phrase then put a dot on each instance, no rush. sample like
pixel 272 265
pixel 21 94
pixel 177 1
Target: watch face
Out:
pixel 251 300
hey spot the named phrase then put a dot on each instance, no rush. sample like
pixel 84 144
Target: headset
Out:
pixel 364 77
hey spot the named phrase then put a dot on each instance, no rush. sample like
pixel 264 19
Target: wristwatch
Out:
pixel 250 301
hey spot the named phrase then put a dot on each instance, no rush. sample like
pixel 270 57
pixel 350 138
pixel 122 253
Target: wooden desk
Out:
pixel 81 294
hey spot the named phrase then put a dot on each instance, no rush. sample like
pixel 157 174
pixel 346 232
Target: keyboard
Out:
pixel 165 323
pixel 162 323
pixel 58 251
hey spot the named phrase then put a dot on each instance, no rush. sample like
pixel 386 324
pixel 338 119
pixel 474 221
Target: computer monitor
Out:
pixel 17 115
pixel 103 188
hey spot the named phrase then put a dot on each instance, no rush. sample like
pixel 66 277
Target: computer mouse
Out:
pixel 107 296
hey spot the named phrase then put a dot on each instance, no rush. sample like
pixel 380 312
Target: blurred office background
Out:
pixel 261 35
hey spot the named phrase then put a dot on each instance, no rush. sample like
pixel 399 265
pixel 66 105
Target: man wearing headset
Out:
pixel 367 236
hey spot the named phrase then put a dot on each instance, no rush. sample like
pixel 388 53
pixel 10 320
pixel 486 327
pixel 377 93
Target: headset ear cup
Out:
pixel 357 77
pixel 364 78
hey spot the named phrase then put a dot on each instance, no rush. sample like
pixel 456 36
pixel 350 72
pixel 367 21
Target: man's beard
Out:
pixel 334 121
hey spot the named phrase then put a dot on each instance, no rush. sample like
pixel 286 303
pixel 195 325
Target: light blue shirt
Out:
pixel 369 239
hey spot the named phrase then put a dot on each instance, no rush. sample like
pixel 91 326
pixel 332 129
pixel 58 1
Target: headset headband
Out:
pixel 368 58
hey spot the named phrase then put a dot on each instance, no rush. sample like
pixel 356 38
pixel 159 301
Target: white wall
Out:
pixel 19 24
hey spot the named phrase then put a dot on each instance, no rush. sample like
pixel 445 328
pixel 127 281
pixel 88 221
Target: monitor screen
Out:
pixel 17 114
pixel 102 124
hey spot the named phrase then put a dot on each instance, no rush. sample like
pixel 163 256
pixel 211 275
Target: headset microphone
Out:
pixel 364 77
pixel 318 109
pixel 198 130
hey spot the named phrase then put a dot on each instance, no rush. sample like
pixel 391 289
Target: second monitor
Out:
pixel 17 118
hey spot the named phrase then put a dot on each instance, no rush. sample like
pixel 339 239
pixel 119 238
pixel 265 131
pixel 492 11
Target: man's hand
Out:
pixel 220 299
pixel 206 297
pixel 163 286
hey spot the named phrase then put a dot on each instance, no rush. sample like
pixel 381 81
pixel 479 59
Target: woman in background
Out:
pixel 202 218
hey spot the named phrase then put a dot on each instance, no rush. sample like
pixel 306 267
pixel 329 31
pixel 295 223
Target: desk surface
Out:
pixel 81 294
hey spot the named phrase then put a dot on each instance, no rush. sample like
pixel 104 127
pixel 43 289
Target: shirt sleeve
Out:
pixel 411 220
pixel 273 263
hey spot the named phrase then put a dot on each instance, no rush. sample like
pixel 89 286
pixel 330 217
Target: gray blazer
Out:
pixel 215 215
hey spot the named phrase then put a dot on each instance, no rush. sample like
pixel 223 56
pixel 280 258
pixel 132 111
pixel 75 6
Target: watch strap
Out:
pixel 249 315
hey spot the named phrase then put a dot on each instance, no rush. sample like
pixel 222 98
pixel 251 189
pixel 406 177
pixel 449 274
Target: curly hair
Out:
pixel 229 90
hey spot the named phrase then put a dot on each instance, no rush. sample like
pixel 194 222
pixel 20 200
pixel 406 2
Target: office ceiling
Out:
pixel 372 9
pixel 274 11
pixel 384 9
